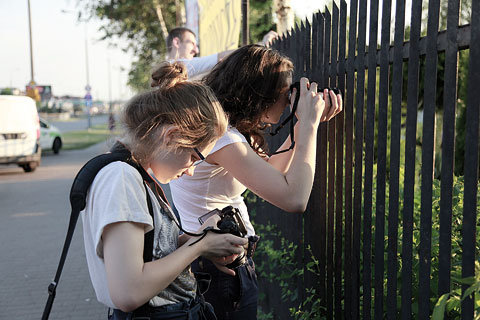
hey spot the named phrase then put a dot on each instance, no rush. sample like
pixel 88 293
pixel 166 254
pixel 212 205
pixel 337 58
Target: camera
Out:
pixel 231 221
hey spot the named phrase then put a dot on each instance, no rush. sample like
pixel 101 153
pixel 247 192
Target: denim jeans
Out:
pixel 232 297
pixel 194 310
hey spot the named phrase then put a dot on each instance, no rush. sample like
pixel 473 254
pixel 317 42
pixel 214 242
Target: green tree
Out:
pixel 137 22
pixel 6 91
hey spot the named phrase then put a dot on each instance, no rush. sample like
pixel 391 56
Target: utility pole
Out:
pixel 245 29
pixel 32 79
pixel 88 88
pixel 110 105
pixel 32 91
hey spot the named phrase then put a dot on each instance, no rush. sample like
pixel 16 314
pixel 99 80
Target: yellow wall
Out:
pixel 220 22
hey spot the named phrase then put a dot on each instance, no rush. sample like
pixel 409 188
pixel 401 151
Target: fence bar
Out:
pixel 351 278
pixel 397 83
pixel 360 99
pixel 410 150
pixel 310 281
pixel 307 277
pixel 329 130
pixel 448 148
pixel 300 257
pixel 334 166
pixel 369 144
pixel 382 160
pixel 296 57
pixel 428 145
pixel 301 52
pixel 308 49
pixel 471 160
pixel 322 156
pixel 338 54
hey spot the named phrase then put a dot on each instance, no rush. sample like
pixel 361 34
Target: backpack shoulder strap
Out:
pixel 78 200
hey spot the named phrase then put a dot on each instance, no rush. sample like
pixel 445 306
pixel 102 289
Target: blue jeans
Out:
pixel 193 310
pixel 232 297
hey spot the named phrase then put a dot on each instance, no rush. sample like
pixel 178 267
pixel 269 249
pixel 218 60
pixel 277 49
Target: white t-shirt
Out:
pixel 199 66
pixel 211 187
pixel 118 194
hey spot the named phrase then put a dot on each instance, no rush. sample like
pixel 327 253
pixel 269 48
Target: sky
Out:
pixel 59 49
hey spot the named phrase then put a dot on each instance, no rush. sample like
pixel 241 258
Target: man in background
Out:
pixel 182 46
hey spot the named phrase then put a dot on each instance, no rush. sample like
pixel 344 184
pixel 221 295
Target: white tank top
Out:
pixel 210 187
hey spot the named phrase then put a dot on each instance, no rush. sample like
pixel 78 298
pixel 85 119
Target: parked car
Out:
pixel 50 137
pixel 19 132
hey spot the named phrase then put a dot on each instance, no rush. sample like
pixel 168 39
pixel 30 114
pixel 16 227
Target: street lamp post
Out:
pixel 32 91
pixel 88 88
pixel 32 80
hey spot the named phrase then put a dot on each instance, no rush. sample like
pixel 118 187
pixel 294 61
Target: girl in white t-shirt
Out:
pixel 252 84
pixel 166 131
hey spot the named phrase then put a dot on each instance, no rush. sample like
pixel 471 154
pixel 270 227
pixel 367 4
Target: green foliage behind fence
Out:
pixel 276 263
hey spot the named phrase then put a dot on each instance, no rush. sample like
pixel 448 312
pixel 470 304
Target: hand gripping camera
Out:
pixel 231 222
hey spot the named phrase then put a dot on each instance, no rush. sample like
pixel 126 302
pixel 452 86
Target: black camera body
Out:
pixel 231 221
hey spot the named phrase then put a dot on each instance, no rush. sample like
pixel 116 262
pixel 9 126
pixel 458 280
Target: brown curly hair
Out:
pixel 189 106
pixel 247 83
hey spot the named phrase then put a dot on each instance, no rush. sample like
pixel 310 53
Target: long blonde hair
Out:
pixel 189 107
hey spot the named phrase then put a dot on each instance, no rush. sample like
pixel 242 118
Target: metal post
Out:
pixel 88 88
pixel 245 29
pixel 32 81
pixel 110 106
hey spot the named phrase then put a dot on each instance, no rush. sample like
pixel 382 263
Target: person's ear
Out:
pixel 170 135
pixel 176 42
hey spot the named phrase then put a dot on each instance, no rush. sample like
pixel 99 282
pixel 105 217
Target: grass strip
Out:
pixel 82 139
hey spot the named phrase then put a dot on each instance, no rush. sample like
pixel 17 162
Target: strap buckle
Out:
pixel 52 288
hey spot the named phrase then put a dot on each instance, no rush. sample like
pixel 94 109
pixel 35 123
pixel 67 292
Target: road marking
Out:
pixel 28 214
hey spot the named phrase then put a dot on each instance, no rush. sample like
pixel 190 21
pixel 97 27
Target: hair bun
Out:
pixel 168 74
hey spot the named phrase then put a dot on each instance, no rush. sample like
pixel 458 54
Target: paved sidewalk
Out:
pixel 34 216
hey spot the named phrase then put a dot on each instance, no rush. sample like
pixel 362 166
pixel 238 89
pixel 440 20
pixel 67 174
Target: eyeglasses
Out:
pixel 200 155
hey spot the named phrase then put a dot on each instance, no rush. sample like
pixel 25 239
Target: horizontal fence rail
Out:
pixel 389 226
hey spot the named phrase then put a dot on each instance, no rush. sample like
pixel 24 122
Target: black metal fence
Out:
pixel 373 260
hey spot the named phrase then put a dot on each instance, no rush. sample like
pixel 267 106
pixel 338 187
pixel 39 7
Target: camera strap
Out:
pixel 291 116
pixel 162 200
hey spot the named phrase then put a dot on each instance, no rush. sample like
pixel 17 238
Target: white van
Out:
pixel 19 132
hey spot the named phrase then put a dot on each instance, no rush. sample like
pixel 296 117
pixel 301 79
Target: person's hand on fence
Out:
pixel 333 108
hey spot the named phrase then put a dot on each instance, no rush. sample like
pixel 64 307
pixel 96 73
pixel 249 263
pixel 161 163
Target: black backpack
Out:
pixel 78 196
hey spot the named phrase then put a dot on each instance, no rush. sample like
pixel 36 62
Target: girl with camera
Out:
pixel 167 130
pixel 253 86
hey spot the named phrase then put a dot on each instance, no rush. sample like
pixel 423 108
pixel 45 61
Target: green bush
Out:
pixel 278 264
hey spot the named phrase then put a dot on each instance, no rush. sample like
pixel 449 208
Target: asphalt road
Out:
pixel 34 215
pixel 79 124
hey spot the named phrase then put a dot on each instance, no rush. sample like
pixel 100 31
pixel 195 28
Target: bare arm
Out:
pixel 132 282
pixel 223 54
